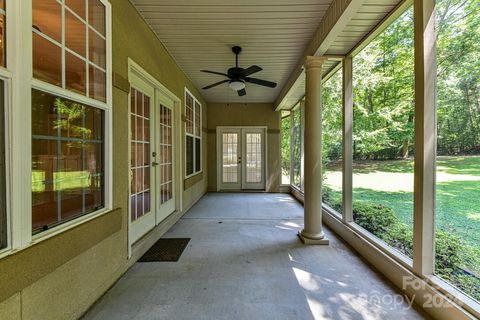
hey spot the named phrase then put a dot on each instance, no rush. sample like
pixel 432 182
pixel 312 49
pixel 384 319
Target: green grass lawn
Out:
pixel 391 183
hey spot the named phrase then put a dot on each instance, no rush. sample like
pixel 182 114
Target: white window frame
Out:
pixel 195 103
pixel 18 148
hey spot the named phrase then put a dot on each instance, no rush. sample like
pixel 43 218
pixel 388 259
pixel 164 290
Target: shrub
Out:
pixel 451 251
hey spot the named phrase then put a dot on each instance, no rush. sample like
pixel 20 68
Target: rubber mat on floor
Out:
pixel 165 249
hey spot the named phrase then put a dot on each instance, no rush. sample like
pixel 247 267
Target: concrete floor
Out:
pixel 245 262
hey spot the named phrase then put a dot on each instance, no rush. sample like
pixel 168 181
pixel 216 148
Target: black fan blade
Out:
pixel 251 70
pixel 242 92
pixel 261 82
pixel 216 84
pixel 214 72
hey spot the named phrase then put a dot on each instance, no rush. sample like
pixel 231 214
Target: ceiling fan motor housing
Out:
pixel 238 76
pixel 235 72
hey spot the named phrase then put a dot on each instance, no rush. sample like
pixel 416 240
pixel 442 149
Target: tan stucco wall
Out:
pixel 250 114
pixel 61 277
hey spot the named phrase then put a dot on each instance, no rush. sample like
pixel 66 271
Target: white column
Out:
pixel 425 137
pixel 312 232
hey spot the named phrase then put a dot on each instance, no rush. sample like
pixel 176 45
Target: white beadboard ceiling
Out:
pixel 273 34
pixel 199 35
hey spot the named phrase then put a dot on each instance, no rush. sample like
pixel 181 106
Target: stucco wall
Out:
pixel 250 114
pixel 61 277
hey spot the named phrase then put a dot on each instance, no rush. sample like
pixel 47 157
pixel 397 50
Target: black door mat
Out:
pixel 165 250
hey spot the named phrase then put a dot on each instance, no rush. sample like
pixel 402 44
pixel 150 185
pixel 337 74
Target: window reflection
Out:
pixel 3 207
pixel 75 34
pixel 85 61
pixel 67 160
pixel 2 37
pixel 47 18
pixel 47 60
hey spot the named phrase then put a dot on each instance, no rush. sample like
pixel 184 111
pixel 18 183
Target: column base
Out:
pixel 309 241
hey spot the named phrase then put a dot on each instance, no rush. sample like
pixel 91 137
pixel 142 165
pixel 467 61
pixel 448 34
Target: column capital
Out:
pixel 314 62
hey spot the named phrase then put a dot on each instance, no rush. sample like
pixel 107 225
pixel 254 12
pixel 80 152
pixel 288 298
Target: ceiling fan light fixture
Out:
pixel 237 85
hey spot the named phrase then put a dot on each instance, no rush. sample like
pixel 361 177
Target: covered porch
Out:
pixel 245 262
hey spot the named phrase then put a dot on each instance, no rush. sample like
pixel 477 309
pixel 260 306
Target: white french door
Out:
pixel 241 158
pixel 152 178
pixel 164 164
pixel 142 217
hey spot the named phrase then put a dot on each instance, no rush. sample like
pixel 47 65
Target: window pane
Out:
pixel 230 165
pixel 3 205
pixel 47 60
pixel 96 15
pixel 47 18
pixel 285 145
pixel 77 6
pixel 75 73
pixel 197 120
pixel 75 34
pixel 332 142
pixel 72 179
pixel 383 135
pixel 45 182
pixel 47 50
pixel 254 154
pixel 2 40
pixel 189 113
pixel 198 154
pixel 97 84
pixel 97 53
pixel 457 216
pixel 297 148
pixel 67 160
pixel 189 155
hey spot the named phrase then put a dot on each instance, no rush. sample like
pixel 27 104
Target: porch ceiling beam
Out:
pixel 335 20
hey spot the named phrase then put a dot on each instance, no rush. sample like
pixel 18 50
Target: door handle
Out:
pixel 155 164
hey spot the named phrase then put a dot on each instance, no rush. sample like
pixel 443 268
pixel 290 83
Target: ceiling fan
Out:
pixel 238 76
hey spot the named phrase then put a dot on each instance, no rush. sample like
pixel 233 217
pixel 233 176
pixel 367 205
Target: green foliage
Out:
pixel 285 144
pixel 384 94
pixel 297 150
pixel 453 256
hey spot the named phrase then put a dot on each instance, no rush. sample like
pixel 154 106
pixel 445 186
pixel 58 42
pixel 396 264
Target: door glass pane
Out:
pixel 166 163
pixel 254 158
pixel 230 157
pixel 140 153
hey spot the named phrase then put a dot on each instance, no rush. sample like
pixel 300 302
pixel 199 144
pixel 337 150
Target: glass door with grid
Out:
pixel 241 158
pixel 253 158
pixel 164 155
pixel 141 174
